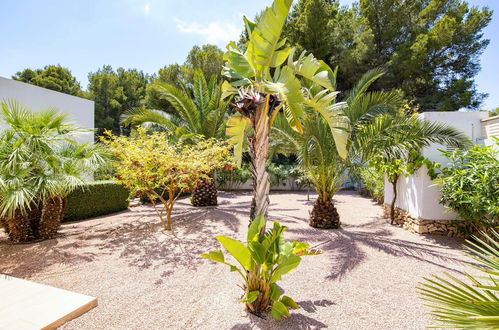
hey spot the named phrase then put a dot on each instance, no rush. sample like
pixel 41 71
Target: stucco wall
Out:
pixel 417 194
pixel 80 111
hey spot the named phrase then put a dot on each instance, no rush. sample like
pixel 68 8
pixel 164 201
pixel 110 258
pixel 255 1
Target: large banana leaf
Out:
pixel 323 102
pixel 237 127
pixel 288 87
pixel 312 69
pixel 263 49
pixel 238 250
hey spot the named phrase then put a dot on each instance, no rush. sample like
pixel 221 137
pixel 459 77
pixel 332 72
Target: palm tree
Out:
pixel 395 141
pixel 267 78
pixel 316 148
pixel 40 164
pixel 197 111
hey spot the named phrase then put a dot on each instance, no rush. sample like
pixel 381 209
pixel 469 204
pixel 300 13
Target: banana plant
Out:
pixel 267 78
pixel 263 261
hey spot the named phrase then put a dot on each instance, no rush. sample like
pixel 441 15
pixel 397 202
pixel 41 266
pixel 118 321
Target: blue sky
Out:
pixel 148 34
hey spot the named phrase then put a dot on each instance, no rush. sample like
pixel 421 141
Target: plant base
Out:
pixel 324 215
pixel 38 223
pixel 205 194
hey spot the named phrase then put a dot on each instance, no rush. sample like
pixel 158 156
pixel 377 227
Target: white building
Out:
pixel 80 111
pixel 417 196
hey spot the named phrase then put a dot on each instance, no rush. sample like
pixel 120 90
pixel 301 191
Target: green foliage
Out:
pixel 374 182
pixel 39 158
pixel 208 59
pixel 430 48
pixel 115 92
pixel 231 178
pixel 494 112
pixel 92 199
pixel 470 185
pixel 185 112
pixel 473 304
pixel 263 261
pixel 316 147
pixel 54 77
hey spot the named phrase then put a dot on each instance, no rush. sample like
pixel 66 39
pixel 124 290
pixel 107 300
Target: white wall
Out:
pixel 80 111
pixel 417 193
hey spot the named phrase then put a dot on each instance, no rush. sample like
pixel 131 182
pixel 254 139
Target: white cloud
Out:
pixel 146 9
pixel 215 32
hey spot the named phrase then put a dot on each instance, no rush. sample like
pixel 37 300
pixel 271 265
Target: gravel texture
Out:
pixel 145 278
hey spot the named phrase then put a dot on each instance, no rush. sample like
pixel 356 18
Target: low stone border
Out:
pixel 421 226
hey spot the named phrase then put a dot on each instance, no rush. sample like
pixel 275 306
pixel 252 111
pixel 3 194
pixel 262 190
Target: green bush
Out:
pixel 374 183
pixel 470 185
pixel 94 199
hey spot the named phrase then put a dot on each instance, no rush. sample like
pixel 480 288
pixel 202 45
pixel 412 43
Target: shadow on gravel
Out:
pixel 296 320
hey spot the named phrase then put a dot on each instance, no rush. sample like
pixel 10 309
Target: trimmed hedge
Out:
pixel 94 199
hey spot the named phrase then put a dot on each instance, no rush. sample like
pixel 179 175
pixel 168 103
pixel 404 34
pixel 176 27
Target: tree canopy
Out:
pixel 429 48
pixel 115 92
pixel 54 77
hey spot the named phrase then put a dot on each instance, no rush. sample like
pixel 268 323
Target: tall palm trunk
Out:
pixel 259 145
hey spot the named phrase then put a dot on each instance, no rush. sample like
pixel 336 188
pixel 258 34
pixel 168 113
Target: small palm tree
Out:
pixel 316 148
pixel 472 305
pixel 40 164
pixel 197 111
pixel 395 141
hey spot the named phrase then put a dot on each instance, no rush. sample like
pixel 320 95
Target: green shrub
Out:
pixel 231 179
pixel 470 185
pixel 94 199
pixel 374 183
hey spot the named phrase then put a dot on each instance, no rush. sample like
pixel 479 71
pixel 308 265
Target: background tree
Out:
pixel 115 92
pixel 207 58
pixel 54 77
pixel 187 113
pixel 430 48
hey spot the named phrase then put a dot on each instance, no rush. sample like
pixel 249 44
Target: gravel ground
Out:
pixel 147 279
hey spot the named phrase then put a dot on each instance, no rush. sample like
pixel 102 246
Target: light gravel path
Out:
pixel 146 279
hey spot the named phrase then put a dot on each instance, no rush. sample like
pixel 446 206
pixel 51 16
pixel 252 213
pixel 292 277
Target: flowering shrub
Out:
pixel 150 165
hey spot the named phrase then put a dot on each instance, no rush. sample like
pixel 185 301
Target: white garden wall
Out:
pixel 417 194
pixel 80 111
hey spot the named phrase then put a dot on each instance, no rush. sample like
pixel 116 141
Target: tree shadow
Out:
pixel 345 247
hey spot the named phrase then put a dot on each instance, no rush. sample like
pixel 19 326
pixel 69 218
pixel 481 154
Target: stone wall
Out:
pixel 421 226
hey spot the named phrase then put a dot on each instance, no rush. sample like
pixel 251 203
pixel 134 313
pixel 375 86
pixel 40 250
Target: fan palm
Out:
pixel 197 111
pixel 316 148
pixel 40 164
pixel 266 78
pixel 457 304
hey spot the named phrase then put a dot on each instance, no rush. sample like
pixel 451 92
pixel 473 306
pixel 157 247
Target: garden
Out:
pixel 150 221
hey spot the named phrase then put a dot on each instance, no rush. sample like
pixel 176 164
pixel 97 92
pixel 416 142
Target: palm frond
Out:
pixel 472 304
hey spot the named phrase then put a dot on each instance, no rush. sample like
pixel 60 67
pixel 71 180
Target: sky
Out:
pixel 149 34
